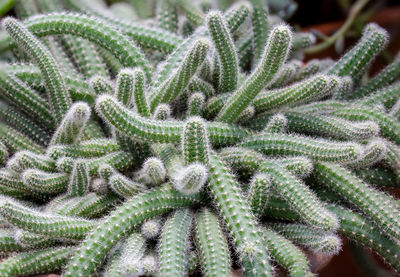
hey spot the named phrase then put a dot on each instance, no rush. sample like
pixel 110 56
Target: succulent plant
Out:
pixel 166 137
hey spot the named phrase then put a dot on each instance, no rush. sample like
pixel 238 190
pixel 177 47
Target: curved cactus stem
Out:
pixel 36 262
pixel 302 40
pixel 246 159
pixel 79 180
pixel 27 159
pixel 135 126
pixel 93 29
pixel 242 225
pixel 389 126
pixel 72 125
pixel 167 16
pixel 119 160
pixel 133 212
pixel 286 254
pixel 60 100
pixel 174 243
pixel 259 20
pixel 388 75
pixel 300 197
pixel 315 240
pixel 16 141
pixel 274 56
pixel 331 126
pixel 54 226
pixel 259 193
pixel 277 124
pixel 22 123
pixel 374 152
pixel 27 99
pixel 123 186
pixel 227 57
pixel 191 11
pixel 8 244
pixel 86 149
pixel 295 145
pixel 386 96
pixel 212 245
pixel 355 61
pixel 373 203
pixel 179 80
pixel 44 182
pixel 133 250
pixel 312 67
pixel 310 89
pixel 356 227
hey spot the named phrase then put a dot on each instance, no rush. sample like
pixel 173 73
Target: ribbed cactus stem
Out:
pixel 196 102
pixel 36 262
pixel 174 85
pixel 59 98
pixel 312 88
pixel 133 251
pixel 277 124
pixel 124 86
pixel 174 243
pixel 331 126
pixel 195 144
pixel 16 141
pixel 273 57
pixel 141 103
pixel 227 56
pixel 134 211
pixel 354 62
pixel 79 180
pixel 162 112
pixel 242 226
pixel 86 149
pixel 165 131
pixel 295 145
pixel 287 254
pixel 373 203
pixel 26 159
pixel 315 240
pixel 212 245
pixel 259 193
pixel 100 85
pixel 300 197
pixel 54 226
pixel 72 125
pixel 44 182
pixel 388 75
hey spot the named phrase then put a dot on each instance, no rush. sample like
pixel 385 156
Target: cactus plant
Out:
pixel 160 140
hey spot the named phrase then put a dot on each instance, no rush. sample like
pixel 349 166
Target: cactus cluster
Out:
pixel 165 138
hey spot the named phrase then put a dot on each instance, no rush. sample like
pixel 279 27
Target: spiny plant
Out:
pixel 169 138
